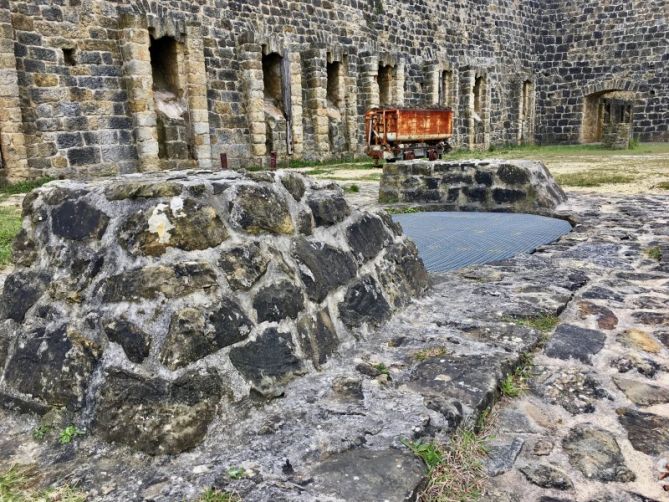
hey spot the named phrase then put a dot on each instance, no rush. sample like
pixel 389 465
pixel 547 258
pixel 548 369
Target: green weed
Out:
pixel 352 188
pixel 69 433
pixel 664 185
pixel 427 452
pixel 382 368
pixel 40 432
pixel 508 387
pixel 236 472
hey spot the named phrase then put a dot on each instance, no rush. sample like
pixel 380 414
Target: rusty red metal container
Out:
pixel 407 128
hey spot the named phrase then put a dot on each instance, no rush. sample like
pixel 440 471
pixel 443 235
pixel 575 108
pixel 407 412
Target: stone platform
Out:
pixel 591 427
pixel 520 186
pixel 144 304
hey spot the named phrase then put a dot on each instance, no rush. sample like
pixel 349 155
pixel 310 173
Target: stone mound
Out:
pixel 146 302
pixel 516 186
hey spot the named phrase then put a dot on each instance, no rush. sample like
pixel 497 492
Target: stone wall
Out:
pixel 591 47
pixel 85 83
pixel 515 186
pixel 145 301
pixel 76 75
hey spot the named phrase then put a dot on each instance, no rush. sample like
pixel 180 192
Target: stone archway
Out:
pixel 607 113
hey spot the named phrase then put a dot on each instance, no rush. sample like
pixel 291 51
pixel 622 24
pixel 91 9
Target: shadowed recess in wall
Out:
pixel 448 241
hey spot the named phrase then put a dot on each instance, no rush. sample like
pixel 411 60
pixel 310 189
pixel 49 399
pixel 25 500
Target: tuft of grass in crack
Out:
pixel 544 323
pixel 382 368
pixel 460 475
pixel 69 433
pixel 429 453
pixel 664 185
pixel 515 383
pixel 352 188
pixel 19 484
pixel 212 495
pixel 429 353
pixel 654 253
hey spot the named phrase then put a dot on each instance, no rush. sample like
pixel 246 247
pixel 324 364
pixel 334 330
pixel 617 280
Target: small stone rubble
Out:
pixel 337 434
pixel 491 185
pixel 145 303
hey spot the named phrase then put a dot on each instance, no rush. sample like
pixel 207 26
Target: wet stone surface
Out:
pixel 336 432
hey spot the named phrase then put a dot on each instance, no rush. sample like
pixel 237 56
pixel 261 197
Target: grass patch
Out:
pixel 10 225
pixel 212 495
pixel 460 474
pixel 350 161
pixel 18 484
pixel 352 188
pixel 515 383
pixel 549 151
pixel 654 253
pixel 544 323
pixel 664 185
pixel 23 186
pixel 509 387
pixel 315 172
pixel 425 354
pixel 592 179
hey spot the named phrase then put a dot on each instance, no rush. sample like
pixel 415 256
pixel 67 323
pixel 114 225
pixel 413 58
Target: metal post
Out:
pixel 272 161
pixel 224 161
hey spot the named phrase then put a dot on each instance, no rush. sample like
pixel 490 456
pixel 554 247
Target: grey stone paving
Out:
pixel 599 426
pixel 448 240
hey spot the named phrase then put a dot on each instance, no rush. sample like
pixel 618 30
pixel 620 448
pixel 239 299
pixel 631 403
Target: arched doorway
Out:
pixel 605 109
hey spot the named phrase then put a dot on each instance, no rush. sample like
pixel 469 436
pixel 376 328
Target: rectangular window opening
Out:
pixel 385 79
pixel 272 80
pixel 333 88
pixel 445 87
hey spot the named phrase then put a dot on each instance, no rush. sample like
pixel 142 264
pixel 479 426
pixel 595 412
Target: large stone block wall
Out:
pixel 79 72
pixel 145 302
pixel 590 47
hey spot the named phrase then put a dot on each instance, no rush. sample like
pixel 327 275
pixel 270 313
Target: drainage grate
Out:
pixel 449 241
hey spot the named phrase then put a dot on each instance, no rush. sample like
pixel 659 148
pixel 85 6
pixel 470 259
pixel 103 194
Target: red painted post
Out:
pixel 272 161
pixel 224 161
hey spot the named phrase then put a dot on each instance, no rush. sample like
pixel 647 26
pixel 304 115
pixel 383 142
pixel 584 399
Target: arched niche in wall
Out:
pixel 603 108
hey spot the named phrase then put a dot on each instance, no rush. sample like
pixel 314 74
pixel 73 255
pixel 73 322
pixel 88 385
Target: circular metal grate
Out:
pixel 448 241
